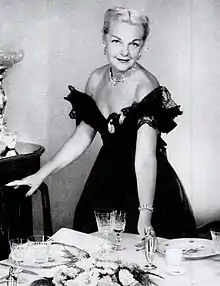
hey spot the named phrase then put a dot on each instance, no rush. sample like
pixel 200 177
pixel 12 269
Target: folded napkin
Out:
pixel 87 242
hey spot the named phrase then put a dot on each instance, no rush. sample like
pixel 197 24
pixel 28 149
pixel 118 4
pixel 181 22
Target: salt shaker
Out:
pixel 150 243
pixel 11 279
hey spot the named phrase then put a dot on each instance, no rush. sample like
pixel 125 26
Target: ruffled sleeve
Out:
pixel 158 110
pixel 84 109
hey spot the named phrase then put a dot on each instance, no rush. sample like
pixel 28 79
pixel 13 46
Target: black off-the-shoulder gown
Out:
pixel 112 182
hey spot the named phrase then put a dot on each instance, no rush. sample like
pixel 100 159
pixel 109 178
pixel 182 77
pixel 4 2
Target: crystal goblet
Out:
pixel 18 247
pixel 118 228
pixel 104 219
pixel 215 235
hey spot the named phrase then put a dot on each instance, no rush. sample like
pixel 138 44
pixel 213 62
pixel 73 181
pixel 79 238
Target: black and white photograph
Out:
pixel 109 142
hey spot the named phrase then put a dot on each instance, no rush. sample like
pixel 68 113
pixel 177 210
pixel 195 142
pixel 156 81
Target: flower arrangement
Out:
pixel 101 273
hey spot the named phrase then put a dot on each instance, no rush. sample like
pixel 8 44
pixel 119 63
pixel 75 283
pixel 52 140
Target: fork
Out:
pixel 83 253
pixel 74 258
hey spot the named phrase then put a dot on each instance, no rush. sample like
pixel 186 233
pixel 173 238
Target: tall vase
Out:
pixel 3 101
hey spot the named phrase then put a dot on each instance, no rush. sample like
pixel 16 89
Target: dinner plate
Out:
pixel 59 254
pixel 3 273
pixel 192 248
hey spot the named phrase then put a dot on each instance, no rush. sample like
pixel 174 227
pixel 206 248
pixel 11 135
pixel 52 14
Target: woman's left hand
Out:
pixel 144 221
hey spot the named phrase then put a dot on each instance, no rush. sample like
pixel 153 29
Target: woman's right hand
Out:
pixel 32 181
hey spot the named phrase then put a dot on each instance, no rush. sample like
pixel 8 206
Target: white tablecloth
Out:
pixel 203 272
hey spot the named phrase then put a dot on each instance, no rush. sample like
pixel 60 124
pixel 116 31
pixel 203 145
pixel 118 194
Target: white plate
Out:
pixel 3 273
pixel 192 248
pixel 57 256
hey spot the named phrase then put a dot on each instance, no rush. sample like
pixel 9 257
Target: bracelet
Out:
pixel 146 207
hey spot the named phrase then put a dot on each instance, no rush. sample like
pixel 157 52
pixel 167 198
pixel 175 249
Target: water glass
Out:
pixel 18 248
pixel 119 227
pixel 174 259
pixel 39 246
pixel 215 234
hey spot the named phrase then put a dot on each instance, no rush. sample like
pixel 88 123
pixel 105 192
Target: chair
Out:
pixel 17 214
pixel 47 220
pixel 15 206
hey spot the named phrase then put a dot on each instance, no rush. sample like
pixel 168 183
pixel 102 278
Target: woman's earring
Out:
pixel 105 48
pixel 139 56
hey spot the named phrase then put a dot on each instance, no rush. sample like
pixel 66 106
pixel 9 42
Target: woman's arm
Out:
pixel 70 151
pixel 146 161
pixel 146 171
pixel 78 142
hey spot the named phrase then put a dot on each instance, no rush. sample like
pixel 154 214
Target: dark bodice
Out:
pixel 156 108
pixel 119 130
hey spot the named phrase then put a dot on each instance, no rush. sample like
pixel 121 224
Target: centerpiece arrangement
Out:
pixel 103 266
pixel 98 272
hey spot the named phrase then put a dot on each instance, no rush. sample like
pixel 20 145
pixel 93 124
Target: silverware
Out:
pixel 82 253
pixel 140 245
pixel 26 271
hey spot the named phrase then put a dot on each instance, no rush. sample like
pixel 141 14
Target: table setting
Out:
pixel 111 257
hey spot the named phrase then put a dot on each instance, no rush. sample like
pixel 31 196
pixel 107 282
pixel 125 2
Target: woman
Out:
pixel 126 105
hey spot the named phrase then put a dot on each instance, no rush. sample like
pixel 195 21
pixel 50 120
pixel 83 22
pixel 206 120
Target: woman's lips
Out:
pixel 123 60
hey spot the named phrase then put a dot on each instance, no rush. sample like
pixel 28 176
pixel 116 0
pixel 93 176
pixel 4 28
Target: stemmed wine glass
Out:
pixel 18 247
pixel 119 227
pixel 150 247
pixel 104 219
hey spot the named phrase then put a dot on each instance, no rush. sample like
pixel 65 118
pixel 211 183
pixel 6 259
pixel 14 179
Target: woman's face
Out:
pixel 123 44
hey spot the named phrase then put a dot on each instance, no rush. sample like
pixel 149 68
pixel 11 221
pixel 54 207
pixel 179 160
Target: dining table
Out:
pixel 202 271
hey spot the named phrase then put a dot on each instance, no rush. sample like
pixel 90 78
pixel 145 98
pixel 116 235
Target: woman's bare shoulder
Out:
pixel 146 83
pixel 95 78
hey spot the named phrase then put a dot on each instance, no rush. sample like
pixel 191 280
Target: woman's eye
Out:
pixel 135 45
pixel 115 41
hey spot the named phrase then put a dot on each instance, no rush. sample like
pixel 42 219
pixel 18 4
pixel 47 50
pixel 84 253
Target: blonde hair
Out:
pixel 126 15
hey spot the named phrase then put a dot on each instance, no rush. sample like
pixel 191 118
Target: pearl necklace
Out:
pixel 116 80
